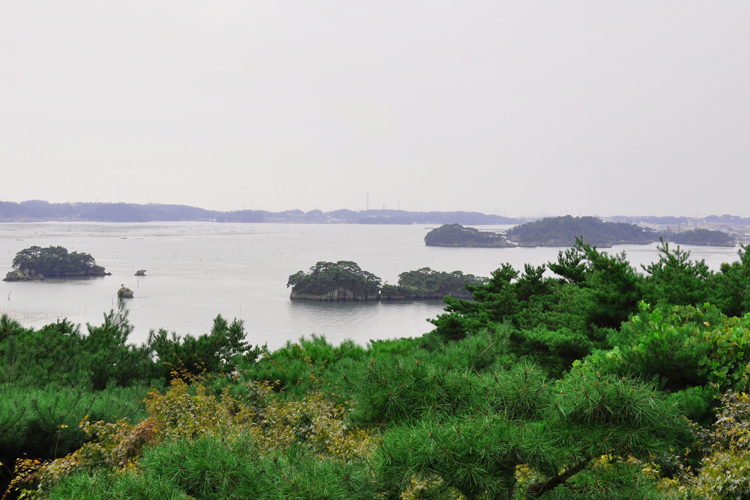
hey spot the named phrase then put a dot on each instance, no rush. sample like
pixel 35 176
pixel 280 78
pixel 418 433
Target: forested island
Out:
pixel 702 237
pixel 344 281
pixel 37 263
pixel 595 382
pixel 563 231
pixel 456 235
pixel 427 284
pixel 334 281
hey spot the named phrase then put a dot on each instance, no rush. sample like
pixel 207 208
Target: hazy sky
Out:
pixel 521 108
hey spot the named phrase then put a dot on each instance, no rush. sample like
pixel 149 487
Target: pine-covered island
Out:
pixel 562 232
pixel 345 281
pixel 37 263
pixel 701 237
pixel 456 235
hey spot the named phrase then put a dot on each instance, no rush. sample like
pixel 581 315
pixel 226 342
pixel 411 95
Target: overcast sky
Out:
pixel 520 108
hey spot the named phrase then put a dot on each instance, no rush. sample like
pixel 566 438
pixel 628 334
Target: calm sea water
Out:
pixel 198 270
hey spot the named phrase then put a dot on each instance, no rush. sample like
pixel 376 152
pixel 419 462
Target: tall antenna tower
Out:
pixel 368 201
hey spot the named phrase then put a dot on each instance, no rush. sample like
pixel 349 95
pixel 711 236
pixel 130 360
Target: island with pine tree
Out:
pixel 37 263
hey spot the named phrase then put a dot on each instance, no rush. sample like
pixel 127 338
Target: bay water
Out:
pixel 196 270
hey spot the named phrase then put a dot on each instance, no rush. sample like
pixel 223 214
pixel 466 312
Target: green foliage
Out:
pixel 732 285
pixel 555 350
pixel 217 352
pixel 682 345
pixel 614 287
pixel 493 302
pixel 725 470
pixel 56 262
pixel 519 418
pixel 200 444
pixel 675 279
pixel 213 468
pixel 570 266
pixel 109 356
pixel 42 422
pixel 58 353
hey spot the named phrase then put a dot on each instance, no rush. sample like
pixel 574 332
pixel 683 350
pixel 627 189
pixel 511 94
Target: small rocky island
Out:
pixel 456 235
pixel 344 281
pixel 339 281
pixel 37 263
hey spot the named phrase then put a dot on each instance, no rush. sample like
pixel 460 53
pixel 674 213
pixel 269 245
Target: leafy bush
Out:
pixel 725 470
pixel 239 442
pixel 684 346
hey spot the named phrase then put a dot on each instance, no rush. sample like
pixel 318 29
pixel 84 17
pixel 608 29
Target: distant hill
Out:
pixel 38 210
pixel 703 237
pixel 562 231
pixel 456 235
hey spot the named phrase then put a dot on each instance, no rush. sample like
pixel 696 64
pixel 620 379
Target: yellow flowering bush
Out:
pixel 195 411
pixel 725 471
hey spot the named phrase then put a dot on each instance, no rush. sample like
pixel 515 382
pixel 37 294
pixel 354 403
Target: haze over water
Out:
pixel 198 270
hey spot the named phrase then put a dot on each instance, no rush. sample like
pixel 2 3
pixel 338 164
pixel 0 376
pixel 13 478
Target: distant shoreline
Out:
pixel 42 211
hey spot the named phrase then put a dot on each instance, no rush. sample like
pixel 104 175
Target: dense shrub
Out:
pixel 684 346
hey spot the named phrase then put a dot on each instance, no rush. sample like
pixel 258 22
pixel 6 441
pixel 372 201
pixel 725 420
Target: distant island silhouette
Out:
pixel 37 211
pixel 456 235
pixel 40 211
pixel 563 231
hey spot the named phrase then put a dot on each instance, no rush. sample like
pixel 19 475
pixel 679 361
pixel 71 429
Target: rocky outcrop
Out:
pixel 339 295
pixel 403 293
pixel 125 293
pixel 23 275
pixel 26 275
pixel 140 272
